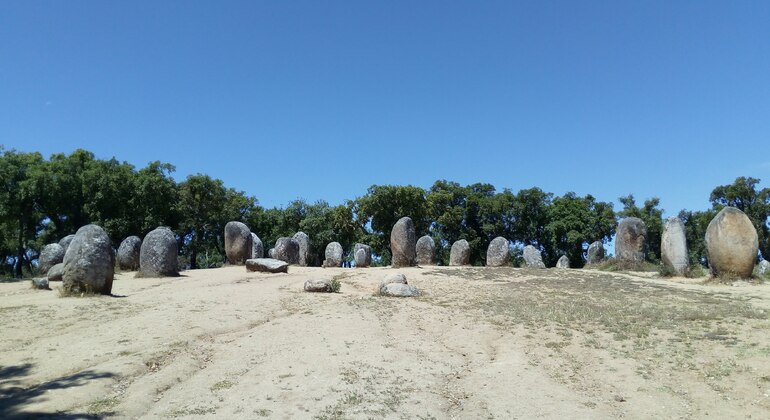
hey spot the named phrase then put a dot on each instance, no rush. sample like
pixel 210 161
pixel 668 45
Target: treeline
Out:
pixel 43 200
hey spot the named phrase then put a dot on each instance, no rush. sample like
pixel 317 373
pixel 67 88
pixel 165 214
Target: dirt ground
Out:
pixel 480 343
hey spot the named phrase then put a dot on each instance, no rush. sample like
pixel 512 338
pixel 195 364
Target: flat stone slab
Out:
pixel 267 265
pixel 399 290
pixel 318 286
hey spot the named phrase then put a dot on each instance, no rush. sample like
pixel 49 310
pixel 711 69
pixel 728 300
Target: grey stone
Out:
pixel 498 253
pixel 66 241
pixel 764 267
pixel 460 254
pixel 732 243
pixel 595 253
pixel 425 251
pixel 89 264
pixel 532 257
pixel 56 273
pixel 563 262
pixel 394 278
pixel 286 249
pixel 318 286
pixel 399 290
pixel 673 246
pixel 303 258
pixel 40 282
pixel 128 253
pixel 403 243
pixel 333 255
pixel 158 255
pixel 237 243
pixel 630 240
pixel 364 260
pixel 257 248
pixel 50 255
pixel 267 265
pixel 271 252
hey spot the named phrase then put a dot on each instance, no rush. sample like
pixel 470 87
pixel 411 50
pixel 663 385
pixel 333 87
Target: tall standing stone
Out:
pixel 237 243
pixel 426 251
pixel 158 255
pixel 532 257
pixel 257 248
pixel 286 249
pixel 89 264
pixel 630 245
pixel 595 252
pixel 128 253
pixel 50 255
pixel 403 243
pixel 460 254
pixel 333 255
pixel 304 248
pixel 362 254
pixel 673 246
pixel 498 253
pixel 563 262
pixel 732 244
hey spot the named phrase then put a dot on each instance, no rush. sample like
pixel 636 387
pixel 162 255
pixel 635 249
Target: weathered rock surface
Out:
pixel 257 248
pixel 363 258
pixel 56 273
pixel 318 286
pixel 267 265
pixel 286 249
pixel 563 262
pixel 764 267
pixel 425 251
pixel 50 255
pixel 333 255
pixel 732 243
pixel 595 252
pixel 498 253
pixel 271 253
pixel 394 278
pixel 66 241
pixel 40 283
pixel 89 264
pixel 158 255
pixel 304 248
pixel 673 246
pixel 532 257
pixel 237 243
pixel 128 253
pixel 630 240
pixel 460 254
pixel 395 285
pixel 403 243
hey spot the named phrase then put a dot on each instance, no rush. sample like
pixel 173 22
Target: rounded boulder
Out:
pixel 630 240
pixel 158 254
pixel 303 256
pixel 673 246
pixel 460 254
pixel 286 249
pixel 89 264
pixel 403 243
pixel 333 255
pixel 128 253
pixel 425 251
pixel 50 255
pixel 498 253
pixel 732 243
pixel 237 243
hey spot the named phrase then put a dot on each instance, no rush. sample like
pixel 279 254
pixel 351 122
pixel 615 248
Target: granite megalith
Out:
pixel 286 249
pixel 333 255
pixel 303 257
pixel 362 254
pixel 630 240
pixel 158 255
pixel 673 246
pixel 403 243
pixel 532 257
pixel 128 253
pixel 425 251
pixel 595 252
pixel 66 241
pixel 498 253
pixel 732 244
pixel 50 255
pixel 563 262
pixel 237 243
pixel 89 264
pixel 257 247
pixel 460 253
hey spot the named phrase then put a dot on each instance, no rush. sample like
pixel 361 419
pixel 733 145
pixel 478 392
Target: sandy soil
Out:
pixel 479 343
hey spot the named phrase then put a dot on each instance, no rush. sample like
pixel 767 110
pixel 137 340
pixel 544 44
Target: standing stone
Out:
pixel 460 254
pixel 271 252
pixel 257 248
pixel 158 254
pixel 732 243
pixel 630 240
pixel 764 267
pixel 595 252
pixel 403 243
pixel 267 265
pixel 673 246
pixel 563 262
pixel 128 253
pixel 51 255
pixel 333 255
pixel 364 258
pixel 532 257
pixel 425 251
pixel 237 243
pixel 304 248
pixel 395 285
pixel 89 264
pixel 498 253
pixel 286 249
pixel 56 273
pixel 65 242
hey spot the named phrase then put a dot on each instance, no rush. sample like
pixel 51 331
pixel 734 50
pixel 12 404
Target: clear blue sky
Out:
pixel 321 99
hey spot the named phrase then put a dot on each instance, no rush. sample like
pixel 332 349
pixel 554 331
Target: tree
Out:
pixel 652 216
pixel 743 195
pixel 695 225
pixel 574 223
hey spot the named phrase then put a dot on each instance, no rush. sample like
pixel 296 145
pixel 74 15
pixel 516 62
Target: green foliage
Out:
pixel 695 225
pixel 573 224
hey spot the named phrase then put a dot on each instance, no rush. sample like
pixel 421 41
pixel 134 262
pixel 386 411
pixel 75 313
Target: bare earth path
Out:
pixel 480 343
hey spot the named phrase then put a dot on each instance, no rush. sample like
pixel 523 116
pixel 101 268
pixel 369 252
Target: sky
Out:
pixel 322 99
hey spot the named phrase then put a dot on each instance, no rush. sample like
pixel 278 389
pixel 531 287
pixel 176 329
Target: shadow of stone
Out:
pixel 13 396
